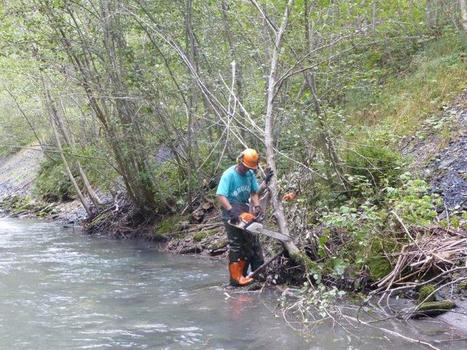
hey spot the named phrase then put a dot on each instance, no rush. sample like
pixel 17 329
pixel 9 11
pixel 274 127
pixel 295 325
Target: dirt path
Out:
pixel 19 170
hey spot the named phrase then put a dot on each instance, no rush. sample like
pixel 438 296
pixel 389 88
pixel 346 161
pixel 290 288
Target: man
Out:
pixel 237 187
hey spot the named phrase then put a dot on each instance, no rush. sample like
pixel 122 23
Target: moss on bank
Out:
pixel 25 205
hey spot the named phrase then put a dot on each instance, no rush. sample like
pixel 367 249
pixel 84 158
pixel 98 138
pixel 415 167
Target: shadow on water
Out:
pixel 60 289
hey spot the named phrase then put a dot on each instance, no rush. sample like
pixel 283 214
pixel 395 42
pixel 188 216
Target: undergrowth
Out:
pixel 354 230
pixel 53 183
pixel 431 79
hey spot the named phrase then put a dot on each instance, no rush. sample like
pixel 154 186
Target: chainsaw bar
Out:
pixel 257 228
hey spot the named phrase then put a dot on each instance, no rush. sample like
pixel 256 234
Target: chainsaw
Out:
pixel 251 223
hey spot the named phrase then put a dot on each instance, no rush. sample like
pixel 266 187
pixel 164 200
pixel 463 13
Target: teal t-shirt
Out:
pixel 237 187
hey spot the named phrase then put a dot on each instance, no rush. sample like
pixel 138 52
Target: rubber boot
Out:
pixel 236 274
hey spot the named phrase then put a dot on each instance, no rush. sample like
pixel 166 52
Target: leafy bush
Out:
pixel 53 183
pixel 412 201
pixel 171 185
pixel 372 165
pixel 366 233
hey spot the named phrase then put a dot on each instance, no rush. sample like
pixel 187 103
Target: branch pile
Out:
pixel 431 252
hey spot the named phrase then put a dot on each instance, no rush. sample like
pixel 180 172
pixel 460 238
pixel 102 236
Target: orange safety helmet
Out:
pixel 249 158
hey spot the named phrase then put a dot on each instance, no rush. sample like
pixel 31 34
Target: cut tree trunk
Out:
pixel 294 253
pixel 463 8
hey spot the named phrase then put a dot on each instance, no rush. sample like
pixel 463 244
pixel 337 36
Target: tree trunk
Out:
pixel 129 141
pixel 192 98
pixel 431 13
pixel 53 117
pixel 106 97
pixel 328 146
pixel 463 8
pixel 68 170
pixel 291 248
pixel 234 57
pixel 70 141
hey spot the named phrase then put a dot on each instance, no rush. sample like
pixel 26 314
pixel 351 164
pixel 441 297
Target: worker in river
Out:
pixel 238 192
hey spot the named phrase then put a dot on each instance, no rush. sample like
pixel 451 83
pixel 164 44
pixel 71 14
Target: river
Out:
pixel 62 289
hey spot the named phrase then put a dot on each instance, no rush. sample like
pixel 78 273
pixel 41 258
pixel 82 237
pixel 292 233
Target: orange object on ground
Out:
pixel 236 274
pixel 288 197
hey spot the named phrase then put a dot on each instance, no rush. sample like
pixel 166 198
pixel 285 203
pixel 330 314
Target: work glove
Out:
pixel 233 216
pixel 268 174
pixel 257 210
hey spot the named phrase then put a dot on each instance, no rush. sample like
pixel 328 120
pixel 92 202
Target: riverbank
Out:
pixel 18 173
pixel 439 158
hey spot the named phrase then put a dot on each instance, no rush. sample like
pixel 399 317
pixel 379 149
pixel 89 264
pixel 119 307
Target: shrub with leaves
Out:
pixel 372 164
pixel 366 232
pixel 53 184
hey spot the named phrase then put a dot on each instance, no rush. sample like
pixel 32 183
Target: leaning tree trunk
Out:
pixel 70 141
pixel 294 252
pixel 68 170
pixel 52 117
pixel 463 8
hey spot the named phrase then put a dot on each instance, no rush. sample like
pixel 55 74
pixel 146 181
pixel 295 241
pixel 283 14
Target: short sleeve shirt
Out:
pixel 237 187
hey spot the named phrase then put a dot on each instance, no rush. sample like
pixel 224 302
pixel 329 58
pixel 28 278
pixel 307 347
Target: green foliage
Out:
pixel 369 232
pixel 168 224
pixel 378 266
pixel 426 291
pixel 95 161
pixel 376 259
pixel 171 184
pixel 412 201
pixel 53 183
pixel 372 164
pixel 199 236
pixel 404 94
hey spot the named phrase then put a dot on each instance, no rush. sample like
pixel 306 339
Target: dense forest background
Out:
pixel 152 100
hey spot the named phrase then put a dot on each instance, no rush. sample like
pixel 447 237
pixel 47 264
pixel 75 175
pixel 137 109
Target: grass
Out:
pixel 434 77
pixel 199 236
pixel 168 224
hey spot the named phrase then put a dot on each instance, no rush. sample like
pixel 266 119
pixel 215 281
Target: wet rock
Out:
pixel 196 249
pixel 219 251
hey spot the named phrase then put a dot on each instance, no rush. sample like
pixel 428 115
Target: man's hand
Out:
pixel 257 210
pixel 268 174
pixel 233 216
pixel 235 211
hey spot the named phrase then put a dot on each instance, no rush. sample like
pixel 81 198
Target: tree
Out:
pixel 463 8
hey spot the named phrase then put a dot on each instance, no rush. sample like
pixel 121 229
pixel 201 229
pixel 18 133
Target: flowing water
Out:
pixel 61 289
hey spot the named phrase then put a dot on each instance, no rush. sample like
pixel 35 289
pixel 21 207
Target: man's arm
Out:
pixel 268 174
pixel 224 202
pixel 262 187
pixel 254 197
